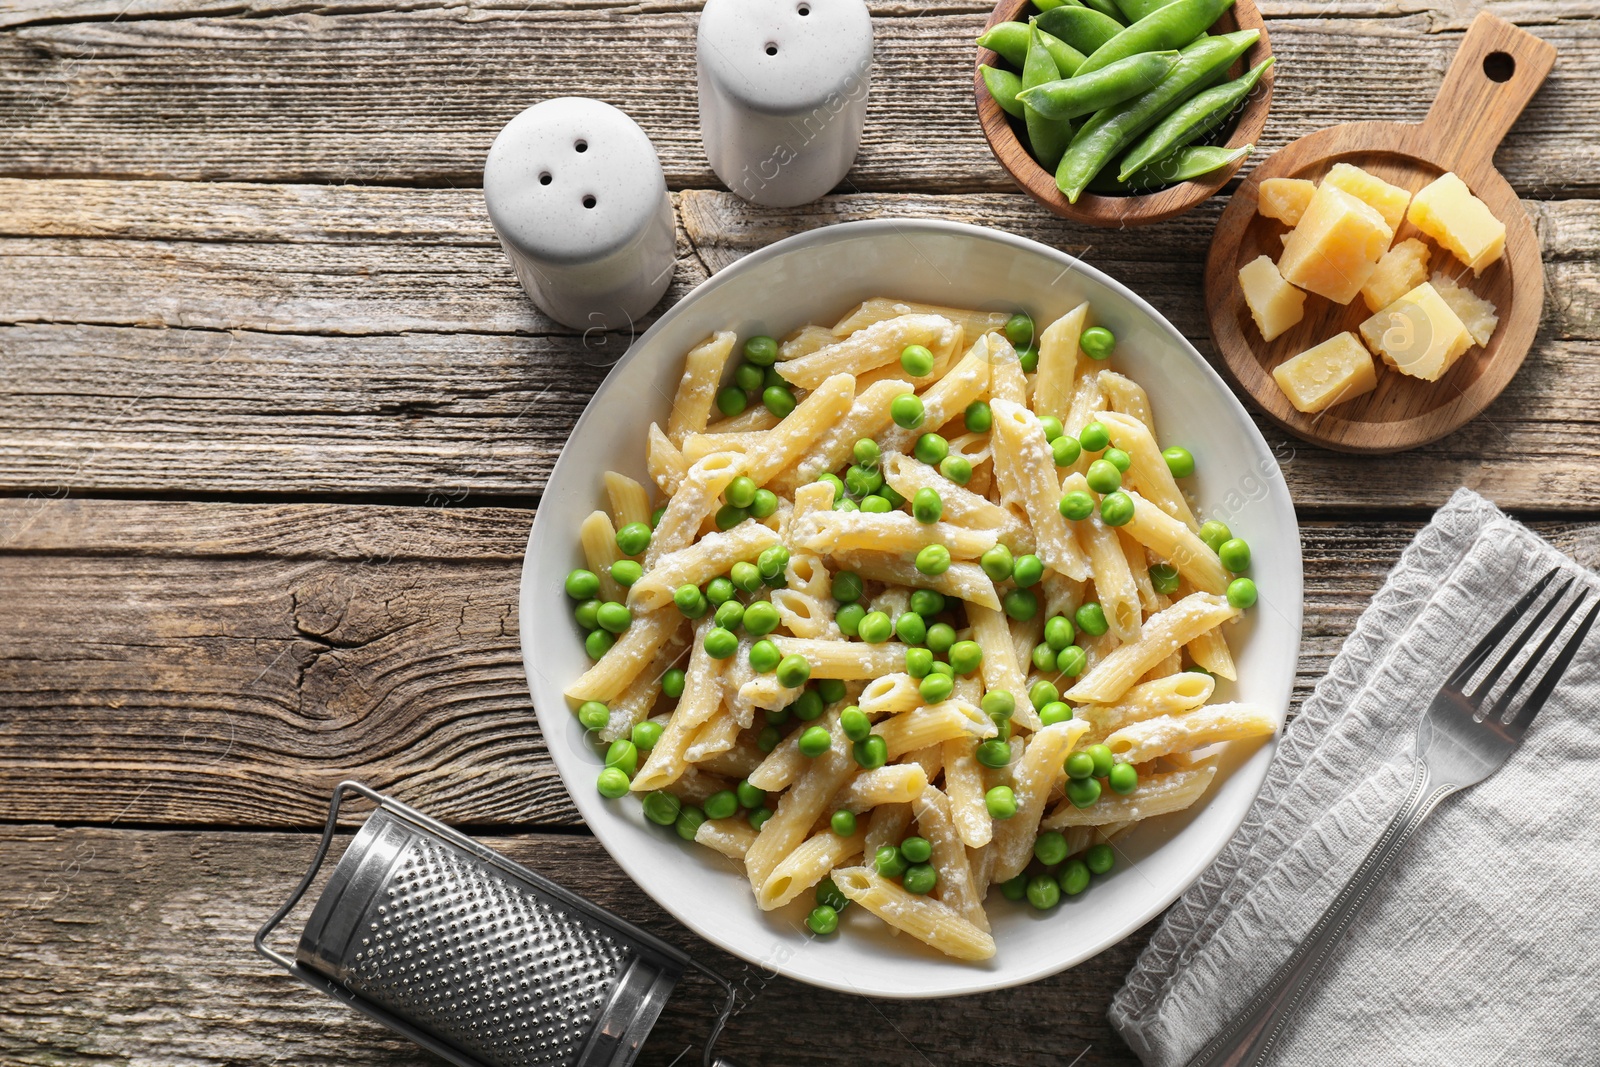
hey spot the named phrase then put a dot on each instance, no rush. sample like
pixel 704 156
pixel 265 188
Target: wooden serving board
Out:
pixel 1493 76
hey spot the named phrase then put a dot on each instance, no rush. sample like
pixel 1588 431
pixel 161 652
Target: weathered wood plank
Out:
pixel 133 947
pixel 227 663
pixel 415 96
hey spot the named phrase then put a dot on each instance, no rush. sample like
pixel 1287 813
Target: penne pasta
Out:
pixel 732 836
pixel 807 865
pixel 635 649
pixel 961 506
pixel 898 783
pixel 701 699
pixel 1006 380
pixel 697 389
pixel 1173 541
pixel 633 705
pixel 876 346
pixel 846 660
pixel 699 562
pixel 887 826
pixel 1140 742
pixel 693 503
pixel 972 323
pixel 890 694
pixel 1126 397
pixel 932 725
pixel 963 782
pixel 1058 363
pixel 868 417
pixel 806 340
pixel 964 581
pixel 1158 794
pixel 946 398
pixel 666 464
pixel 751 420
pixel 1171 695
pixel 832 532
pixel 929 921
pixel 1148 470
pixel 629 501
pixel 955 887
pixel 598 539
pixel 798 808
pixel 784 444
pixel 1164 634
pixel 1113 579
pixel 1026 475
pixel 1036 775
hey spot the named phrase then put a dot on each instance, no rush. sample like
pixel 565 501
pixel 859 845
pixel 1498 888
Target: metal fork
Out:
pixel 1462 739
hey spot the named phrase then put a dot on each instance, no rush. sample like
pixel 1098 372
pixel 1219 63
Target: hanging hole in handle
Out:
pixel 580 146
pixel 589 201
pixel 1499 66
pixel 772 49
pixel 546 178
pixel 804 9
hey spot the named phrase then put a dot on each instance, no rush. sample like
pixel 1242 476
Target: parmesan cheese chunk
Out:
pixel 1418 334
pixel 1402 269
pixel 1336 247
pixel 1388 200
pixel 1473 310
pixel 1274 303
pixel 1285 199
pixel 1448 212
pixel 1337 370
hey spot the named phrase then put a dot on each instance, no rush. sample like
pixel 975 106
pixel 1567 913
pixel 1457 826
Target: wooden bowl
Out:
pixel 1495 73
pixel 1124 210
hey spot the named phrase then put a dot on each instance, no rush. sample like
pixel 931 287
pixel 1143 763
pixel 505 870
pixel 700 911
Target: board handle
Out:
pixel 1493 76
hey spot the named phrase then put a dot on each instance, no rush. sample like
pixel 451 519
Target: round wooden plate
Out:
pixel 1493 76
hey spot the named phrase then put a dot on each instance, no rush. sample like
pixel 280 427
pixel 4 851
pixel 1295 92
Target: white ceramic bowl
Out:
pixel 816 277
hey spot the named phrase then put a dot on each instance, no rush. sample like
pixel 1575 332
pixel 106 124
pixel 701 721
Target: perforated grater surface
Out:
pixel 476 957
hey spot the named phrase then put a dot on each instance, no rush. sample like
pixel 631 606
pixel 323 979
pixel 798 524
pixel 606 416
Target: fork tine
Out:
pixel 1524 635
pixel 1547 685
pixel 1475 658
pixel 1536 659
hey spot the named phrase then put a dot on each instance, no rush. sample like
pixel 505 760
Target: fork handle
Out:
pixel 1249 1035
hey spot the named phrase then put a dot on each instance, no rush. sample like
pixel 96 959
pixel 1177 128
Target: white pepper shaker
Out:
pixel 783 94
pixel 576 193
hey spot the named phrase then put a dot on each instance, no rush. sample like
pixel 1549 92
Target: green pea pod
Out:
pixel 1187 163
pixel 1105 7
pixel 1083 28
pixel 1202 114
pixel 1126 78
pixel 1134 10
pixel 1110 130
pixel 1010 39
pixel 1048 137
pixel 1049 5
pixel 1173 26
pixel 1004 87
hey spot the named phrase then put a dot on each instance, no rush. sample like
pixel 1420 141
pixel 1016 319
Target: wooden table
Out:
pixel 276 416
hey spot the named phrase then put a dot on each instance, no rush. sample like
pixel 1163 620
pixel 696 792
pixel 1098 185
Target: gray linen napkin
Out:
pixel 1483 945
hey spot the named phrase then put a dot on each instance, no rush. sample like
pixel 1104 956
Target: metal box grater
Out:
pixel 475 957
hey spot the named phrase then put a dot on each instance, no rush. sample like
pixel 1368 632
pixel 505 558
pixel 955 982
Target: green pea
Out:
pixel 1043 893
pixel 994 753
pixel 763 504
pixel 858 481
pixel 1101 755
pixel 672 683
pixel 1118 459
pixel 997 563
pixel 633 539
pixel 759 817
pixel 1097 341
pixel 720 643
pixel 760 618
pixel 1091 619
pixel 935 687
pixel 1197 669
pixel 916 849
pixel 1015 888
pixel 732 401
pixel 689 820
pixel 931 449
pixel 741 492
pixel 1103 476
pixel 761 350
pixel 933 560
pixel 1094 437
pixel 1044 657
pixel 920 878
pixel 728 517
pixel 1028 570
pixel 1020 604
pixel 906 411
pixel 1123 779
pixel 722 805
pixel 876 628
pixel 598 643
pixel 1001 802
pixel 1054 712
pixel 1028 359
pixel 1079 765
pixel 855 724
pixel 889 862
pixel 927 602
pixel 838 486
pixel 793 670
pixel 956 468
pixel 978 418
pixel 645 735
pixel 849 619
pixel 690 601
pixel 662 808
pixel 941 638
pixel 919 662
pixel 730 614
pixel 846 587
pixel 655 516
pixel 999 704
pixel 612 783
pixel 843 822
pixel 828 893
pixel 778 399
pixel 720 590
pixel 624 756
pixel 808 706
pixel 749 377
pixel 870 753
pixel 1058 632
pixel 1242 593
pixel 772 561
pixel 745 576
pixel 911 628
pixel 768 738
pixel 1002 731
pixel 1164 578
pixel 1051 426
pixel 896 501
pixel 917 361
pixel 764 657
pixel 927 506
pixel 1042 693
pixel 1179 461
pixel 779 717
pixel 876 505
pixel 582 584
pixel 1049 848
pixel 966 656
pixel 749 796
pixel 1019 330
pixel 1100 858
pixel 1215 533
pixel 831 690
pixel 1077 504
pixel 1065 450
pixel 614 617
pixel 588 614
pixel 1074 878
pixel 940 667
pixel 1234 553
pixel 1116 509
pixel 593 715
pixel 815 741
pixel 1083 792
pixel 1072 661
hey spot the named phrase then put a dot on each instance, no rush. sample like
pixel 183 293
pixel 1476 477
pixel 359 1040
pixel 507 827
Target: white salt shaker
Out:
pixel 576 193
pixel 783 94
